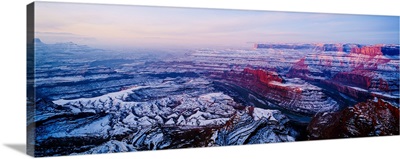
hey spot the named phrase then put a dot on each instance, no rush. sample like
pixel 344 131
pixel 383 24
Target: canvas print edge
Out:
pixel 32 75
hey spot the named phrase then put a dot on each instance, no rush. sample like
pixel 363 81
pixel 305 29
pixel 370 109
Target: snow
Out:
pixel 375 100
pixel 119 130
pixel 181 120
pixel 174 115
pixel 359 89
pixel 96 128
pixel 211 97
pixel 129 119
pixel 114 96
pixel 209 109
pixel 263 113
pixel 62 79
pixel 40 117
pixel 170 122
pixel 110 147
pixel 146 121
pixel 89 111
pixel 40 81
pixel 385 95
pixel 298 85
pixel 159 119
pixel 218 121
pixel 198 115
pixel 75 110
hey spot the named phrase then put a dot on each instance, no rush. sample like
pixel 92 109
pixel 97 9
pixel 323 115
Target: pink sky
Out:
pixel 124 26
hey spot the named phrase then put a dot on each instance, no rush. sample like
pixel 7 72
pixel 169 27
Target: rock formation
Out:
pixel 371 118
pixel 292 94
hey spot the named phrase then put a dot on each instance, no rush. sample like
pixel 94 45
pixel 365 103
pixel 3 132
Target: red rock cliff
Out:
pixel 367 50
pixel 263 76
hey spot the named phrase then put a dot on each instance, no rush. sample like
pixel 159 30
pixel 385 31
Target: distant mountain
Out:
pixel 37 41
pixel 61 48
pixel 371 50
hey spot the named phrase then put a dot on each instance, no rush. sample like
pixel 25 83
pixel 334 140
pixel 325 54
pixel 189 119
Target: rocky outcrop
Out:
pixel 371 118
pixel 367 50
pixel 253 127
pixel 292 94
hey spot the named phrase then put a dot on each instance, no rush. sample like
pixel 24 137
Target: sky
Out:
pixel 126 26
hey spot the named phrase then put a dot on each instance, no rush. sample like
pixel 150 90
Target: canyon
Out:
pixel 90 100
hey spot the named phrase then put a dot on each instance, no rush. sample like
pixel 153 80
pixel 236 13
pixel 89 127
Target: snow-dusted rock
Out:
pixel 211 119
